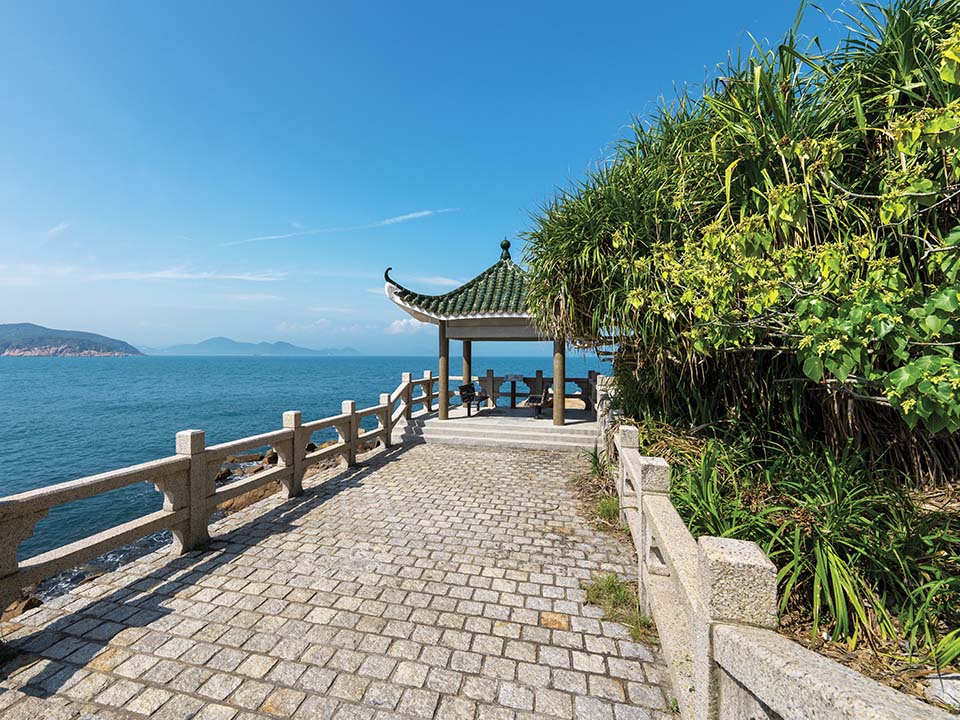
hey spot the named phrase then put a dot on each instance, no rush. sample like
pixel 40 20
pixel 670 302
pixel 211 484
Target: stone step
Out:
pixel 485 426
pixel 508 442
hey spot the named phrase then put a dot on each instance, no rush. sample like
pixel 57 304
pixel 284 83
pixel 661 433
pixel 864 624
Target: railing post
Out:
pixel 428 390
pixel 491 391
pixel 407 395
pixel 15 529
pixel 292 453
pixel 654 480
pixel 738 585
pixel 192 444
pixel 387 417
pixel 350 432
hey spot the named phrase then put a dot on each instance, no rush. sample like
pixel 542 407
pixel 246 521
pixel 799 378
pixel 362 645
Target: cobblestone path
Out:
pixel 431 582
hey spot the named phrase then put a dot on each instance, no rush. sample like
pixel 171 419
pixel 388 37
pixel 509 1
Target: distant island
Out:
pixel 29 340
pixel 223 346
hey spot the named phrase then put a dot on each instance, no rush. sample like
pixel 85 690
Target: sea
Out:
pixel 63 418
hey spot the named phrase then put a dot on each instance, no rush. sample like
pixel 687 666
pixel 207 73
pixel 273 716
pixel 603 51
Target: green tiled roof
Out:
pixel 499 290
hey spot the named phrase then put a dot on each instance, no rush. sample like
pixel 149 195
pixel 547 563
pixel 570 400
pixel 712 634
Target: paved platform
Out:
pixel 431 582
pixel 504 427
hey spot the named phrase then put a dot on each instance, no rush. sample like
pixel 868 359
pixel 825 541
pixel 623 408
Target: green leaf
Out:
pixel 813 367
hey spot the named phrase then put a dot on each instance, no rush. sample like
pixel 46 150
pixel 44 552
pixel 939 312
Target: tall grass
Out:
pixel 857 555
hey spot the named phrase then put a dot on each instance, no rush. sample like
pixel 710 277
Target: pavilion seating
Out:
pixel 469 395
pixel 538 402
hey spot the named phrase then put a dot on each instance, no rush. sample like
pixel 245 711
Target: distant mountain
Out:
pixel 27 339
pixel 226 346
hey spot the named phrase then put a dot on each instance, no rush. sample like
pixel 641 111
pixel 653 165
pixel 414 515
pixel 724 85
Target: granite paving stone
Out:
pixel 428 582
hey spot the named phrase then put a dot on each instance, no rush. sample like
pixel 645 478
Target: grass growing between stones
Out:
pixel 618 599
pixel 598 492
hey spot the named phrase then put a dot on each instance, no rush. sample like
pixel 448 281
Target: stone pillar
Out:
pixel 387 417
pixel 349 430
pixel 428 390
pixel 407 378
pixel 192 443
pixel 444 400
pixel 491 390
pixel 467 362
pixel 559 382
pixel 739 586
pixel 292 453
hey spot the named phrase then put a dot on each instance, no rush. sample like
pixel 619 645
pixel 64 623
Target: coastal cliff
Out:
pixel 29 340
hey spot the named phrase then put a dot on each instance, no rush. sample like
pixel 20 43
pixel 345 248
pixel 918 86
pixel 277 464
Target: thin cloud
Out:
pixel 57 229
pixel 180 274
pixel 323 309
pixel 349 228
pixel 405 326
pixel 438 280
pixel 252 297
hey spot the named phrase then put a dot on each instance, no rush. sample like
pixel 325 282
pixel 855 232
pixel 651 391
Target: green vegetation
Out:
pixel 608 509
pixel 777 261
pixel 618 599
pixel 598 491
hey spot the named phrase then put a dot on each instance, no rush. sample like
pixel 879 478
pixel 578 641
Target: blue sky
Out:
pixel 177 170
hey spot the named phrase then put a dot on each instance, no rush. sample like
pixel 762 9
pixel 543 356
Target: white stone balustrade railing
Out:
pixel 187 483
pixel 714 602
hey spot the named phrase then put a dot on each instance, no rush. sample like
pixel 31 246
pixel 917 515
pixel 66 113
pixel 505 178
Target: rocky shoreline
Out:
pixel 58 351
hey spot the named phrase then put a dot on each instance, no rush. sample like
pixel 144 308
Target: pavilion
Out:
pixel 492 306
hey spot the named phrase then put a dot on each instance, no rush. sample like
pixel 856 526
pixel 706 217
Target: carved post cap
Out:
pixel 629 436
pixel 654 474
pixel 191 442
pixel 384 398
pixel 292 419
pixel 739 582
pixel 428 374
pixel 348 406
pixel 406 377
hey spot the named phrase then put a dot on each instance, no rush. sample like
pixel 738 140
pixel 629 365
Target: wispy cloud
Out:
pixel 181 274
pixel 25 275
pixel 407 325
pixel 57 229
pixel 302 327
pixel 322 231
pixel 438 280
pixel 252 297
pixel 326 309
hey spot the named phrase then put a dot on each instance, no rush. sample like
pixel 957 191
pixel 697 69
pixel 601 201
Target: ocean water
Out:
pixel 65 418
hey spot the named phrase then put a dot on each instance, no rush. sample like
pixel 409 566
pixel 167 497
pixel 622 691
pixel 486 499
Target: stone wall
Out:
pixel 714 601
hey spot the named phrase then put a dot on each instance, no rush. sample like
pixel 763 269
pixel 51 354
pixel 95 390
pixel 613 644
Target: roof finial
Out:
pixel 505 255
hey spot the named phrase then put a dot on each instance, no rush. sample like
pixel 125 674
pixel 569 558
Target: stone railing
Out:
pixel 492 386
pixel 187 482
pixel 714 602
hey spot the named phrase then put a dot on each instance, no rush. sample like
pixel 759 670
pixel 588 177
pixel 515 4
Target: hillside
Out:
pixel 226 346
pixel 27 339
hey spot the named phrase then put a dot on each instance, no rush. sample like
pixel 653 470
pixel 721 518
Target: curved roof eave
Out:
pixel 391 289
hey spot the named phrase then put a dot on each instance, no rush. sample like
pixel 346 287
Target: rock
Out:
pixel 271 458
pixel 248 458
pixel 311 447
pixel 18 607
pixel 224 474
pixel 944 688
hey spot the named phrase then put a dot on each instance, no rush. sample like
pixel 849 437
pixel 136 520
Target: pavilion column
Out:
pixel 559 382
pixel 444 409
pixel 467 362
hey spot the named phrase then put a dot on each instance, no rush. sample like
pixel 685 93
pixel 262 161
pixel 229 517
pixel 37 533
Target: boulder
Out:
pixel 271 458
